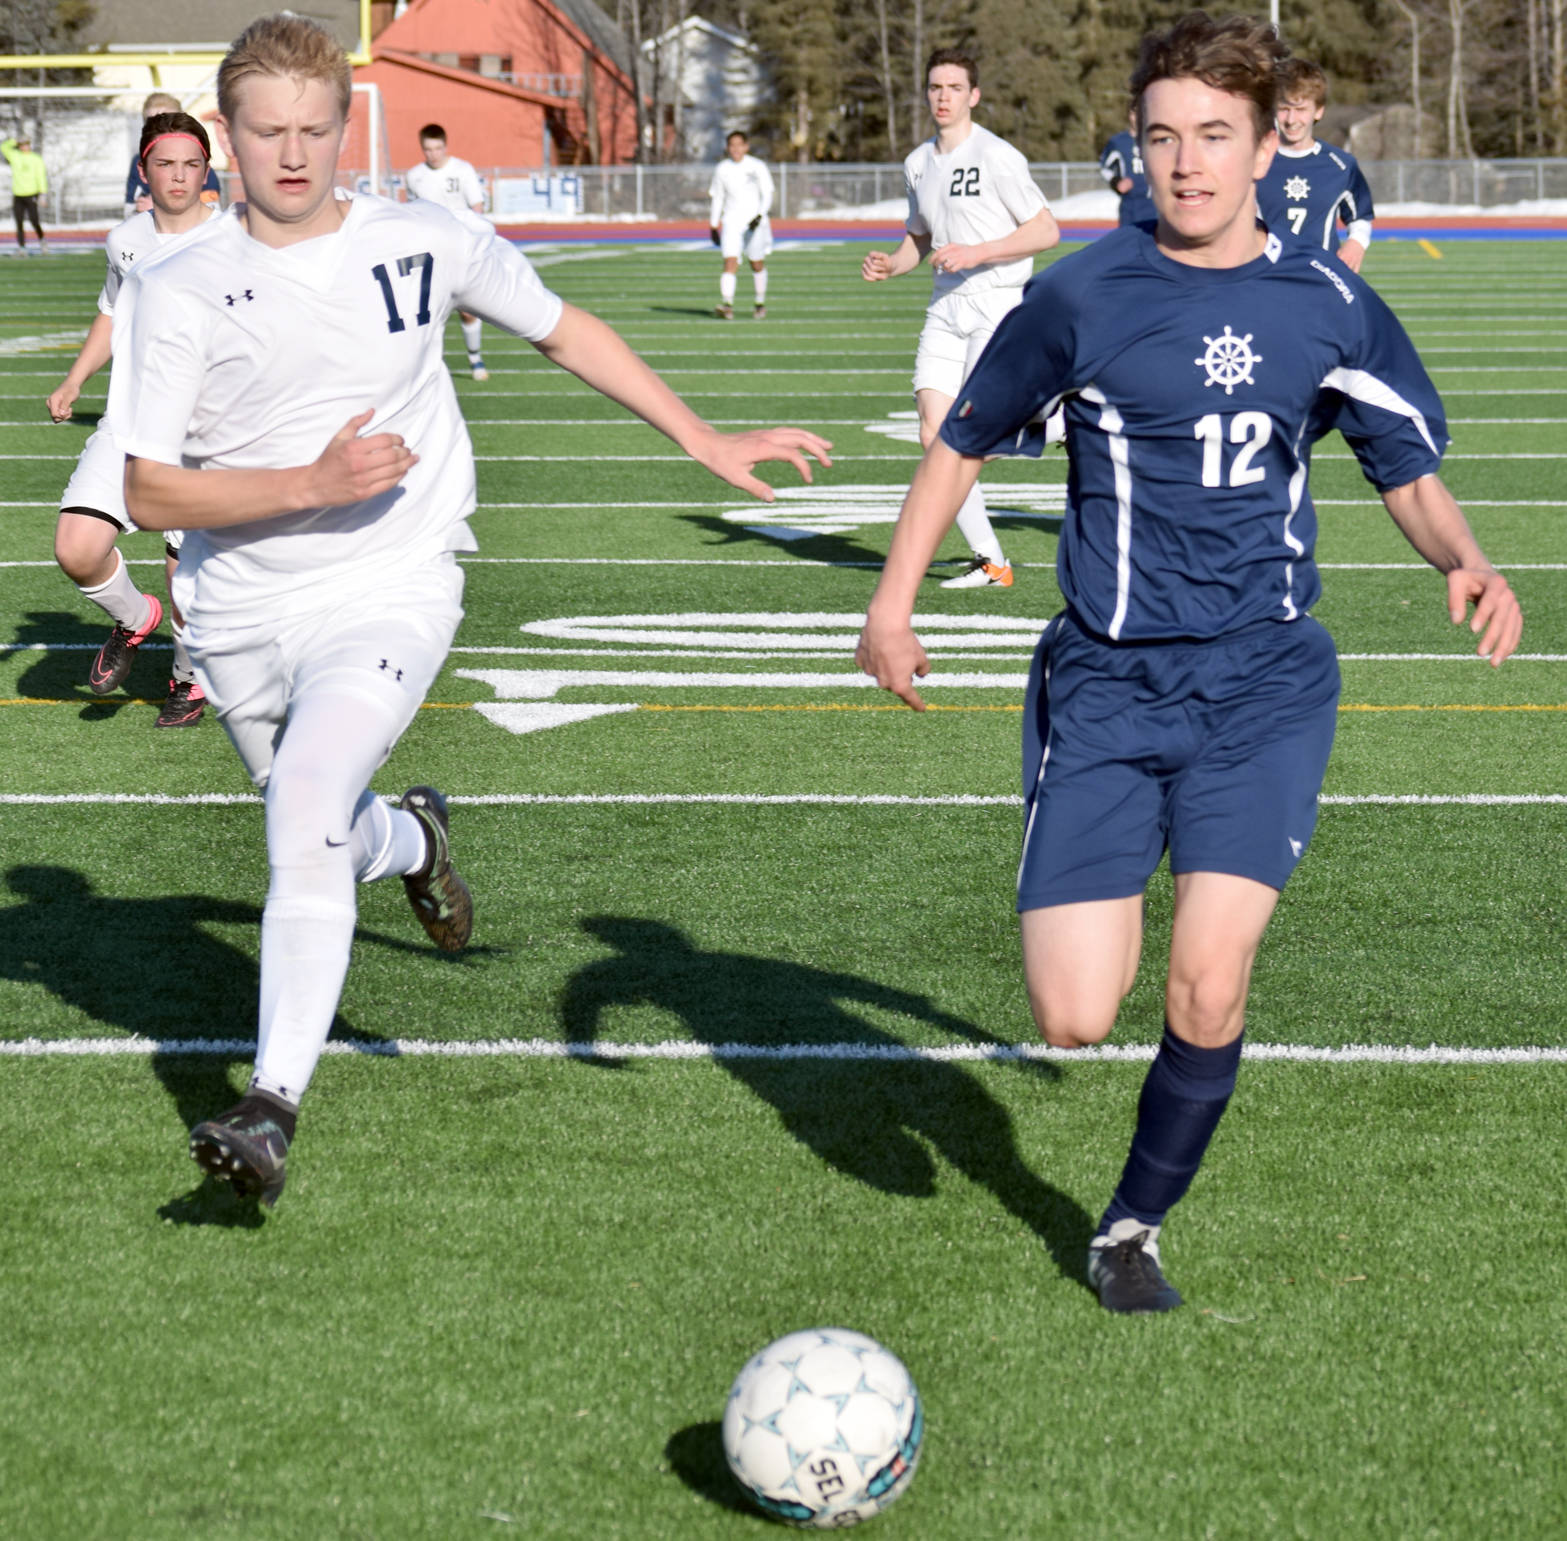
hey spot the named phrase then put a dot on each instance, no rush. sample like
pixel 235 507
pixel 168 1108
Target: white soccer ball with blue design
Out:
pixel 823 1428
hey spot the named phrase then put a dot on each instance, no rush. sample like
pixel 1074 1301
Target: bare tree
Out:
pixel 1414 70
pixel 1459 144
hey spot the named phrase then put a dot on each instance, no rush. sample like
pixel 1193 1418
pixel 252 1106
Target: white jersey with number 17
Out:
pixel 980 190
pixel 232 354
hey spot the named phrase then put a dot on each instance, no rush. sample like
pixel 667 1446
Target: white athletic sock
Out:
pixel 726 288
pixel 759 279
pixel 384 840
pixel 305 942
pixel 470 337
pixel 974 524
pixel 184 671
pixel 119 598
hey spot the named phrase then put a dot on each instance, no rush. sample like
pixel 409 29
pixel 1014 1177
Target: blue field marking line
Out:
pixel 685 1051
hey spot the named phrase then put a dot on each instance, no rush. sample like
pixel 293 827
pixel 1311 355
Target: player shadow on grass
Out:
pixel 150 968
pixel 867 1116
pixel 814 547
pixel 60 672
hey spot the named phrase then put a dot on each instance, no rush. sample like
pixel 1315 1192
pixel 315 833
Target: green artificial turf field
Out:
pixel 549 1195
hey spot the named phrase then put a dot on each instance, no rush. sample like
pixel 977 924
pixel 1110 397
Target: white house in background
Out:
pixel 719 80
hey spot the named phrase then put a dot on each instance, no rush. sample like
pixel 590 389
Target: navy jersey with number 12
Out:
pixel 1192 397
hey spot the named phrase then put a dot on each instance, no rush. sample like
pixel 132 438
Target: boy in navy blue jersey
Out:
pixel 1312 187
pixel 1121 165
pixel 1185 699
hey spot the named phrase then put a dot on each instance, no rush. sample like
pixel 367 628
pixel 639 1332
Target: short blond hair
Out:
pixel 288 46
pixel 160 101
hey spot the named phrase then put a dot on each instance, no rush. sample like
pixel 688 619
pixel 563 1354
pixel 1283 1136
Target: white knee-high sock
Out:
pixel 470 337
pixel 329 750
pixel 184 671
pixel 726 288
pixel 759 280
pixel 384 840
pixel 119 598
pixel 974 524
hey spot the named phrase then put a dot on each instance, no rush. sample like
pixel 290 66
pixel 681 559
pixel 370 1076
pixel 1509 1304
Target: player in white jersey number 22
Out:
pixel 282 397
pixel 742 199
pixel 448 180
pixel 174 156
pixel 974 209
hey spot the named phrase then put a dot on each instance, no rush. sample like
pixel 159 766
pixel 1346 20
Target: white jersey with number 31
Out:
pixel 979 191
pixel 229 353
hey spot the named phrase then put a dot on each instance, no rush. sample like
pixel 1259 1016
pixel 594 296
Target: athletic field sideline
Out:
pixel 742 1044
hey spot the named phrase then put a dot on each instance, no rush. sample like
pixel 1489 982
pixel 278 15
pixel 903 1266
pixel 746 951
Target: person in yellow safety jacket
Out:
pixel 29 180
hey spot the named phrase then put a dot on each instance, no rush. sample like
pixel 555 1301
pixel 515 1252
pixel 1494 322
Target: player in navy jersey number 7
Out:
pixel 1185 699
pixel 281 396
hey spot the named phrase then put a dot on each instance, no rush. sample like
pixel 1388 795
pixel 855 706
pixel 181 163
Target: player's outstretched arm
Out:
pixel 1029 239
pixel 597 354
pixel 350 469
pixel 92 358
pixel 893 264
pixel 1435 526
pixel 889 651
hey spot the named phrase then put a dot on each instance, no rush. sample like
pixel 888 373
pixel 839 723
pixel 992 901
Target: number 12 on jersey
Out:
pixel 406 265
pixel 1250 430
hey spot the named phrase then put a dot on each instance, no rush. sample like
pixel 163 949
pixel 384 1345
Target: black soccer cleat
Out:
pixel 438 895
pixel 1126 1275
pixel 113 663
pixel 184 706
pixel 247 1146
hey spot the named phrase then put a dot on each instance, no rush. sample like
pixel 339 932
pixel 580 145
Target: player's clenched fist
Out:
pixel 61 401
pixel 876 266
pixel 351 469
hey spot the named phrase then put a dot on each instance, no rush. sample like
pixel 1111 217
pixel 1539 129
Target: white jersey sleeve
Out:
pixel 501 285
pixel 130 239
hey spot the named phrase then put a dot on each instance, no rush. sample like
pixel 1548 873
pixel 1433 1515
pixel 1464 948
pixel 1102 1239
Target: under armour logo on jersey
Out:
pixel 234 299
pixel 1296 188
pixel 1229 360
pixel 386 668
pixel 127 258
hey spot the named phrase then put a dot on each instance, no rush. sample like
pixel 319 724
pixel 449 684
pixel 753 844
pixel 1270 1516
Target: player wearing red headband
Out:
pixel 175 157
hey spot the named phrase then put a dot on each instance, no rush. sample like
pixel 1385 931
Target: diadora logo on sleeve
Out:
pixel 1337 282
pixel 1229 360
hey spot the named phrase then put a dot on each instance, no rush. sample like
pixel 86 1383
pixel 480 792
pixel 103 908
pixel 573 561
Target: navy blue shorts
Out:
pixel 1212 750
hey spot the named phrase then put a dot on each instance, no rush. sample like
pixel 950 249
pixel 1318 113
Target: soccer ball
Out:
pixel 823 1428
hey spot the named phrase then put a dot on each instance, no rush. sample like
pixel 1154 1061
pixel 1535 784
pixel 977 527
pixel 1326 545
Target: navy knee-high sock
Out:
pixel 1182 1101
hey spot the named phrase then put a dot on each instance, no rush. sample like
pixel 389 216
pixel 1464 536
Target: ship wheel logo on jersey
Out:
pixel 1296 188
pixel 1228 360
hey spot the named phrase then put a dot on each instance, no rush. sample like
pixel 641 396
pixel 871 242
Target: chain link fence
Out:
pixel 91 196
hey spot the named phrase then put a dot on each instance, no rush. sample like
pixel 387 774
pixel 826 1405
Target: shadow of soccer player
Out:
pixel 864 1116
pixel 151 968
pixel 67 644
pixel 814 547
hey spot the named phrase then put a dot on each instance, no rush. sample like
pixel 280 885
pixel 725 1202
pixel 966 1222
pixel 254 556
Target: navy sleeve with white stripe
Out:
pixel 1192 398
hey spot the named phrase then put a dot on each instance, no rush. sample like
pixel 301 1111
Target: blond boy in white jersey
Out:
pixel 304 430
pixel 974 209
pixel 174 156
pixel 741 195
pixel 451 182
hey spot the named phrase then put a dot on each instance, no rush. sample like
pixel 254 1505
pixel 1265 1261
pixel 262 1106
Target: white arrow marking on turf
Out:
pixel 535 719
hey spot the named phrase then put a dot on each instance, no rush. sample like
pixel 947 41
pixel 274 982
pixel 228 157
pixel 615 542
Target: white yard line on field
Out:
pixel 682 1050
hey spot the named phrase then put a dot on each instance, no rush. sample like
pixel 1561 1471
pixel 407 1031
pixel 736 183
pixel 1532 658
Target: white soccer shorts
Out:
pixel 98 483
pixel 957 327
pixel 385 646
pixel 734 240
